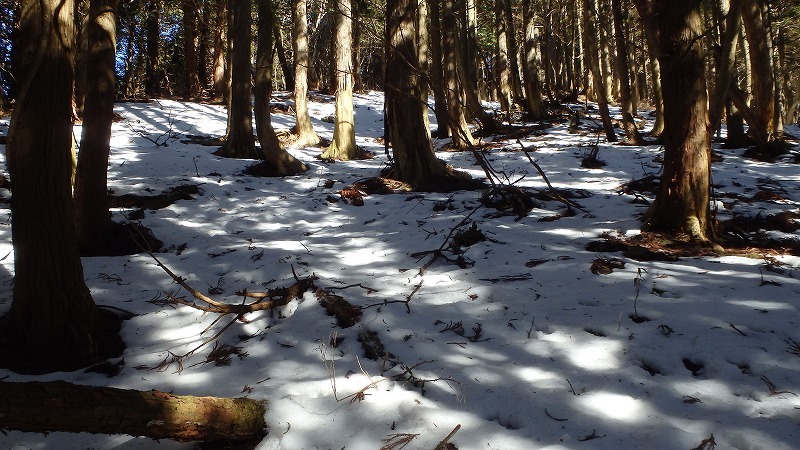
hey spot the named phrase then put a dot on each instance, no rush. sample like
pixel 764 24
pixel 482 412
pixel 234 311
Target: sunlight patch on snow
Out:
pixel 762 305
pixel 614 406
pixel 536 375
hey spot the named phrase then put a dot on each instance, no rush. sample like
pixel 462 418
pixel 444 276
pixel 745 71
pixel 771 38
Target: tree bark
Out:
pixel 60 406
pixel 513 52
pixel 152 82
pixel 280 50
pixel 456 120
pixel 727 59
pixel 658 97
pixel 502 69
pixel 530 70
pixel 593 55
pixel 218 67
pixel 437 71
pixel 239 142
pixel 306 136
pixel 192 76
pixel 628 124
pixel 343 147
pixel 763 129
pixel 93 219
pixel 414 160
pixel 681 206
pixel 53 323
pixel 277 157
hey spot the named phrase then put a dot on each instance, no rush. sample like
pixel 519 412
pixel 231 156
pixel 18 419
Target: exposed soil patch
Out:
pixel 159 201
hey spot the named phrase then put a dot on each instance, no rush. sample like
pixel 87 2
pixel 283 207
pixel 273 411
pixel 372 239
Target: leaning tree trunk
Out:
pixel 343 147
pixel 93 220
pixel 414 160
pixel 681 206
pixel 239 142
pixel 306 136
pixel 593 55
pixel 61 406
pixel 530 70
pixel 628 124
pixel 53 323
pixel 278 158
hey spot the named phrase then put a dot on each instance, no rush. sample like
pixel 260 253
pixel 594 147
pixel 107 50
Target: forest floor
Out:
pixel 535 330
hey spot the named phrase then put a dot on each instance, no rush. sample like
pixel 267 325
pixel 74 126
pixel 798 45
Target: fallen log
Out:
pixel 61 406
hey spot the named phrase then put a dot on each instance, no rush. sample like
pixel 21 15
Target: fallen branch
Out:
pixel 61 406
pixel 443 443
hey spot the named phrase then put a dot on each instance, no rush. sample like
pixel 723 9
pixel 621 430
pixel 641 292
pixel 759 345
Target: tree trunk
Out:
pixel 53 323
pixel 727 60
pixel 681 206
pixel 152 82
pixel 593 55
pixel 437 71
pixel 467 71
pixel 279 159
pixel 192 77
pixel 456 121
pixel 343 147
pixel 628 124
pixel 502 70
pixel 239 142
pixel 280 49
pixel 93 219
pixel 218 67
pixel 203 38
pixel 81 19
pixel 306 136
pixel 61 406
pixel 658 97
pixel 763 128
pixel 414 160
pixel 530 70
pixel 513 52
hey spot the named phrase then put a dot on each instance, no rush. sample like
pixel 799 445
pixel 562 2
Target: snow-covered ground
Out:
pixel 525 349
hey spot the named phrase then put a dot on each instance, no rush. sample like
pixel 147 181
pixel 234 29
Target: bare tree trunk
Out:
pixel 218 66
pixel 681 206
pixel 93 219
pixel 727 62
pixel 658 99
pixel 306 136
pixel 343 147
pixel 278 158
pixel 598 81
pixel 203 38
pixel 763 128
pixel 53 323
pixel 414 160
pixel 530 70
pixel 61 406
pixel 190 49
pixel 457 121
pixel 152 82
pixel 628 124
pixel 513 53
pixel 503 72
pixel 239 142
pixel 280 49
pixel 437 83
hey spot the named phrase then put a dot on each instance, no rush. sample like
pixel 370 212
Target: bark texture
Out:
pixel 239 142
pixel 93 219
pixel 278 158
pixel 591 33
pixel 626 104
pixel 343 147
pixel 61 406
pixel 306 136
pixel 681 206
pixel 530 70
pixel 192 79
pixel 456 120
pixel 53 323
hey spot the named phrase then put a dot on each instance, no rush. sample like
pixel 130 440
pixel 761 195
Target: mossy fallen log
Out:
pixel 62 406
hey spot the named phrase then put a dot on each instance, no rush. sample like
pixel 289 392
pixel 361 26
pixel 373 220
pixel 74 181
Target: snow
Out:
pixel 547 355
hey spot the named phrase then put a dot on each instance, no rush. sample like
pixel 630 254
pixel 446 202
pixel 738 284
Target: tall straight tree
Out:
pixel 414 160
pixel 502 69
pixel 437 70
pixel 192 77
pixel 306 136
pixel 591 33
pixel 152 83
pixel 343 147
pixel 626 103
pixel 91 179
pixel 239 142
pixel 764 117
pixel 530 70
pixel 53 323
pixel 451 48
pixel 681 206
pixel 277 157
